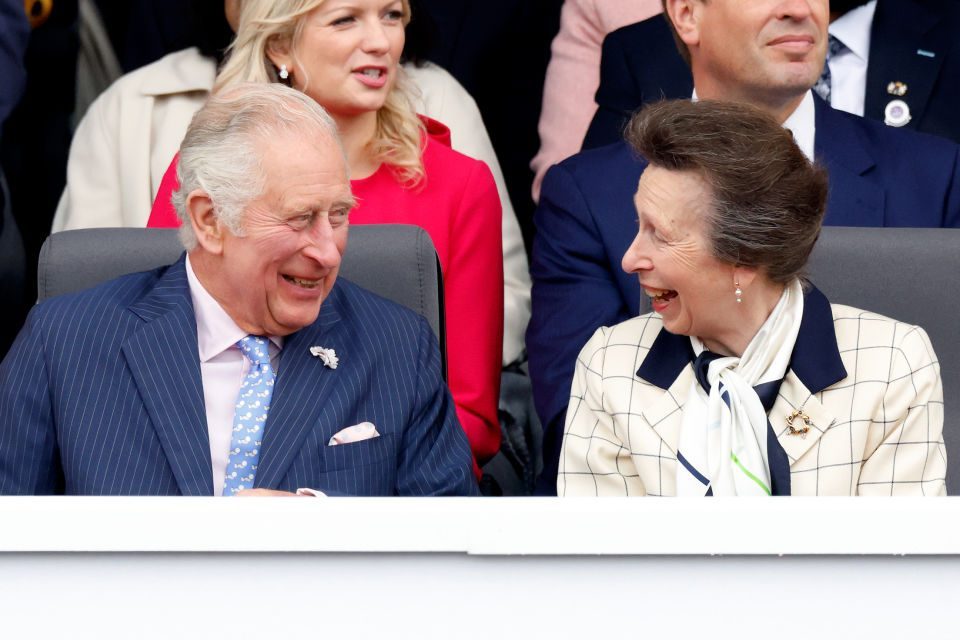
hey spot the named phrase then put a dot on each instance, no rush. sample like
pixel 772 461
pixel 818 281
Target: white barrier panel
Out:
pixel 477 568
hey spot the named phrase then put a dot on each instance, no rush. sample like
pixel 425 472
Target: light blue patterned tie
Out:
pixel 823 86
pixel 250 416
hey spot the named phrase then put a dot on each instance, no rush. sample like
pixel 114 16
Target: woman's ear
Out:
pixel 203 218
pixel 744 276
pixel 280 53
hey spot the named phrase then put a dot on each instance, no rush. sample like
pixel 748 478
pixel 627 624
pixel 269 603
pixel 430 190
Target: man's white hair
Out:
pixel 221 151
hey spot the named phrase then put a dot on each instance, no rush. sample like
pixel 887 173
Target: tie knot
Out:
pixel 255 349
pixel 834 46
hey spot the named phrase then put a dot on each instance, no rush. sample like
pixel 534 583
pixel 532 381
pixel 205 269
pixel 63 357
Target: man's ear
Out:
pixel 685 16
pixel 204 220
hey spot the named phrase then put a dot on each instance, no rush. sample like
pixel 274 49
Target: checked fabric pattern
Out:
pixel 250 417
pixel 879 431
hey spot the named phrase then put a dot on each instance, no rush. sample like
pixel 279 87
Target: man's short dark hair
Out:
pixel 768 198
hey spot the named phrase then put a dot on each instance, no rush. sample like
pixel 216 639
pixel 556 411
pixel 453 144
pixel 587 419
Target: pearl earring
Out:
pixel 737 292
pixel 284 73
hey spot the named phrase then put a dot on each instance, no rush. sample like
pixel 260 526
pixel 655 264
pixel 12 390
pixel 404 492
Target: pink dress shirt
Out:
pixel 222 369
pixel 573 75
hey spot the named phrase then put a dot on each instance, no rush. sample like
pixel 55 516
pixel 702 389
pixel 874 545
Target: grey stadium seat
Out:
pixel 395 261
pixel 910 275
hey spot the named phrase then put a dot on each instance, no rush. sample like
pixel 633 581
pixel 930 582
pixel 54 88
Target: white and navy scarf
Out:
pixel 723 435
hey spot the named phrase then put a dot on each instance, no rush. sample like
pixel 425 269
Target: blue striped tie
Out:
pixel 250 416
pixel 823 86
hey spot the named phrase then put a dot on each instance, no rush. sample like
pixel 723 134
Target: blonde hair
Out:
pixel 400 134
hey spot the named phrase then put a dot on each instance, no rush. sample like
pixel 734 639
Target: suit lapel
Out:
pixel 899 31
pixel 303 388
pixel 668 366
pixel 814 365
pixel 666 414
pixel 165 366
pixel 854 200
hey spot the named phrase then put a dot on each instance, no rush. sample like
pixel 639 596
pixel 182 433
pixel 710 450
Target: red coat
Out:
pixel 457 204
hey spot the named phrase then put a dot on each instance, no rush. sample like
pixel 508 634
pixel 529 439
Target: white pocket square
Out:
pixel 356 433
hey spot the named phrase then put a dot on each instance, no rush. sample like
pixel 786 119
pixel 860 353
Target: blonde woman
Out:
pixel 345 55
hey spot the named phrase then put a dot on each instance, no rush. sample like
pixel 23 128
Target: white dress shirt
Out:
pixel 802 123
pixel 222 369
pixel 848 69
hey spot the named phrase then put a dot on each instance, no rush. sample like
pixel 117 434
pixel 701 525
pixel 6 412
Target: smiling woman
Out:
pixel 744 380
pixel 345 55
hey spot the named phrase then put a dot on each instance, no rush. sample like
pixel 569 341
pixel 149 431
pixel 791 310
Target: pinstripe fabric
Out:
pixel 101 395
pixel 877 427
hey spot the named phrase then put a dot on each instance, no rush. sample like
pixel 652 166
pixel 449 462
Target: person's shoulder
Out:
pixel 615 159
pixel 652 34
pixel 428 75
pixel 99 303
pixel 185 70
pixel 370 311
pixel 438 155
pixel 640 331
pixel 455 169
pixel 910 146
pixel 857 329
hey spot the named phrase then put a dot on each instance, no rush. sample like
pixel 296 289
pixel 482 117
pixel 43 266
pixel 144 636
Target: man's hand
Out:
pixel 266 493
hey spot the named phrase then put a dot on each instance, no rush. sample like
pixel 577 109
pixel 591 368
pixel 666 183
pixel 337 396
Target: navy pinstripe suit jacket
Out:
pixel 101 395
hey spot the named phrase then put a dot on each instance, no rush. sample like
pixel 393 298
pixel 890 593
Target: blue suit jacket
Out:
pixel 640 64
pixel 101 395
pixel 586 220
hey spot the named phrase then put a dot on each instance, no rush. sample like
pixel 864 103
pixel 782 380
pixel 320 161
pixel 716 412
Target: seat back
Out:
pixel 909 275
pixel 395 261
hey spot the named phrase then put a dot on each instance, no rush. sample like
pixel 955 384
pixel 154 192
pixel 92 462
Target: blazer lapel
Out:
pixel 898 37
pixel 304 386
pixel 815 365
pixel 165 366
pixel 854 200
pixel 666 414
pixel 668 366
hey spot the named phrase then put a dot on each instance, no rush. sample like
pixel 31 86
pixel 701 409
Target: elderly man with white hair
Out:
pixel 246 367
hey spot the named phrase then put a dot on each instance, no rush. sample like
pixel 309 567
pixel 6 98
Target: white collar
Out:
pixel 802 123
pixel 853 29
pixel 216 330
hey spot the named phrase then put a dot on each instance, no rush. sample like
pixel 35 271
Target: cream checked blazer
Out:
pixel 876 411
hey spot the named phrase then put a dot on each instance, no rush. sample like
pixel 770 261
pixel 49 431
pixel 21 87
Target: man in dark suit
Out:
pixel 767 53
pixel 913 57
pixel 221 373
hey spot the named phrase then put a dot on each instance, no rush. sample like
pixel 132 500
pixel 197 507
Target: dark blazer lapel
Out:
pixel 854 200
pixel 898 33
pixel 815 365
pixel 668 366
pixel 165 365
pixel 303 388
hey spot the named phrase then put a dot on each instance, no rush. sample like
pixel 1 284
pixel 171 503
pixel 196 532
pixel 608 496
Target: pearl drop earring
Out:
pixel 284 73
